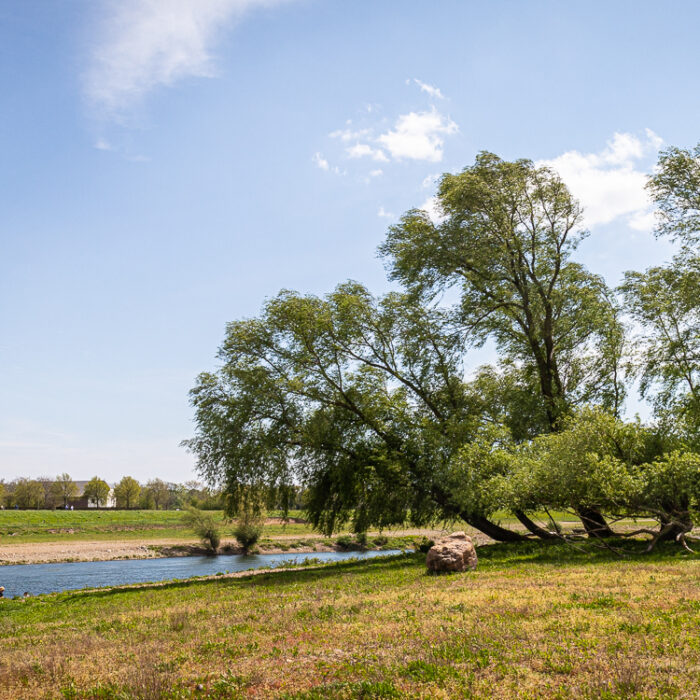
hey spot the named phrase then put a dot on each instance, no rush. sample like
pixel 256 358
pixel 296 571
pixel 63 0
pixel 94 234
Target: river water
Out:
pixel 49 578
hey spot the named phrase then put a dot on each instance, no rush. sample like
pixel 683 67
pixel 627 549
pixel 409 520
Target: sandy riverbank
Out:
pixel 53 552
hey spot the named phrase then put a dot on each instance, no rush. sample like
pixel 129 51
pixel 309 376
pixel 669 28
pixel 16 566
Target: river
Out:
pixel 50 578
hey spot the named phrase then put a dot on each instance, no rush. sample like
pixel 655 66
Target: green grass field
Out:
pixel 18 526
pixel 49 525
pixel 534 621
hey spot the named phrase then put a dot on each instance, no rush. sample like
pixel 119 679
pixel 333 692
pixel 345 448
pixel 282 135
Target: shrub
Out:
pixel 347 542
pixel 424 545
pixel 247 505
pixel 204 526
pixel 344 542
pixel 247 533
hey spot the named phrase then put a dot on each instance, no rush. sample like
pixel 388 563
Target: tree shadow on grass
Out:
pixel 581 552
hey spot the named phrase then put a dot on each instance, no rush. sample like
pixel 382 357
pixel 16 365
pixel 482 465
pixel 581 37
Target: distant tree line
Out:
pixel 370 403
pixel 62 492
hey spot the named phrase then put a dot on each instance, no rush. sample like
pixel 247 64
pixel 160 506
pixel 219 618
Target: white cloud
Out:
pixel 142 44
pixel 418 136
pixel 430 89
pixel 320 161
pixel 350 135
pixel 371 175
pixel 430 180
pixel 610 183
pixel 642 221
pixel 433 210
pixel 360 150
pixel 103 145
pixel 383 214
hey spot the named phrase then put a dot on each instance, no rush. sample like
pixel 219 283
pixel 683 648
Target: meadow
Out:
pixel 534 621
pixel 18 526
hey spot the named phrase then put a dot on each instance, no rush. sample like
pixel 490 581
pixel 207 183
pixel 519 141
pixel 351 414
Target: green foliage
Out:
pixel 159 493
pixel 248 532
pixel 64 488
pixel 665 300
pixel 97 491
pixel 424 545
pixel 127 492
pixel 248 507
pixel 666 303
pixel 361 404
pixel 675 187
pixel 598 461
pixel 205 526
pixel 475 468
pixel 361 400
pixel 505 245
pixel 345 542
pixel 582 466
pixel 349 542
pixel 25 493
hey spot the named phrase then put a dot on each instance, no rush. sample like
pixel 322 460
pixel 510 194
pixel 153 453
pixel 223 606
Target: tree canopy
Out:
pixel 126 492
pixel 97 491
pixel 367 402
pixel 505 243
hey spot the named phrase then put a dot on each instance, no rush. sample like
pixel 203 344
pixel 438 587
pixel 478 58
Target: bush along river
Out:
pixel 35 579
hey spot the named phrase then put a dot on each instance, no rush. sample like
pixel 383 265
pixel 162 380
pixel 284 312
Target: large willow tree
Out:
pixel 364 401
pixel 504 245
pixel 360 400
pixel 665 300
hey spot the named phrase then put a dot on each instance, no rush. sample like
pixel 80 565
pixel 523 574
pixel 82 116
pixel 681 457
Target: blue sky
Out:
pixel 168 164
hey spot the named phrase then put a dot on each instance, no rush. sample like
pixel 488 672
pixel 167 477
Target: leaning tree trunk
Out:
pixel 478 522
pixel 678 523
pixel 594 523
pixel 534 528
pixel 495 532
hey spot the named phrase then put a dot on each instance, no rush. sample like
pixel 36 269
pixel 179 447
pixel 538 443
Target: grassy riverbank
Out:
pixel 533 621
pixel 35 526
pixel 18 526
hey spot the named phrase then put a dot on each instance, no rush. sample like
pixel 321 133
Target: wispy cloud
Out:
pixel 372 174
pixel 430 89
pixel 430 180
pixel 320 161
pixel 103 145
pixel 350 134
pixel 383 214
pixel 610 183
pixel 140 45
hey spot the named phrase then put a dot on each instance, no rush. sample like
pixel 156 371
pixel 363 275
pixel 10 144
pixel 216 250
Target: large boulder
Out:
pixel 455 552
